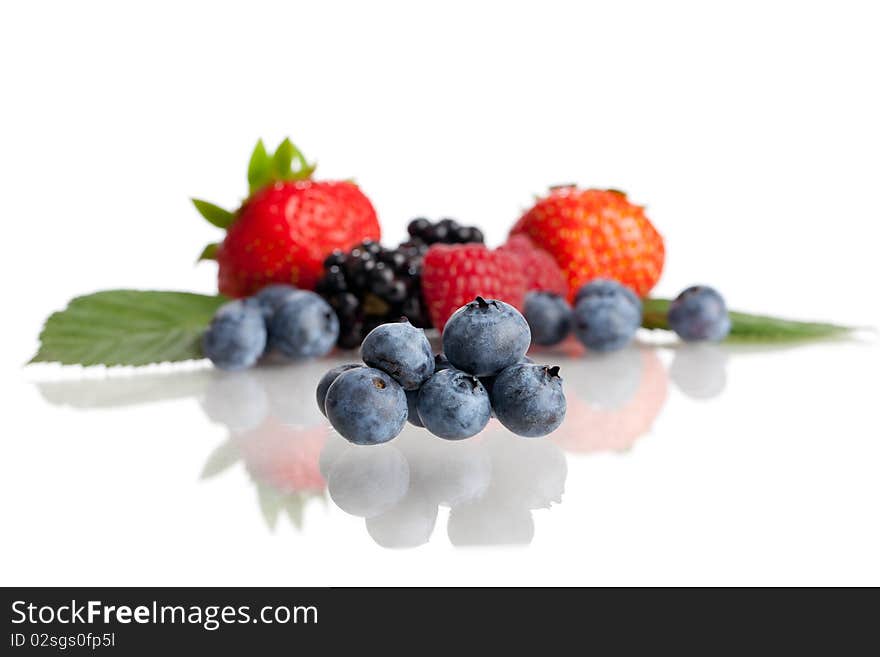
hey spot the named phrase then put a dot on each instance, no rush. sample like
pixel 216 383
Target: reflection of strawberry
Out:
pixel 592 428
pixel 539 267
pixel 284 458
pixel 596 233
pixel 282 461
pixel 288 224
pixel 453 275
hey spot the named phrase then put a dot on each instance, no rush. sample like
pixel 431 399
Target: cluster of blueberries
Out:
pixel 607 314
pixel 279 321
pixel 483 370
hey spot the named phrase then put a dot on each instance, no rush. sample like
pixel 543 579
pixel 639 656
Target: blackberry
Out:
pixel 447 231
pixel 371 284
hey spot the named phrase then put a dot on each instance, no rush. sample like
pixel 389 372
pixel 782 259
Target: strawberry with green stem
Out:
pixel 288 224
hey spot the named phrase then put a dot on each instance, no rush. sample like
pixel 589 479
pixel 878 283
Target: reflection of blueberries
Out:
pixel 527 473
pixel 327 379
pixel 549 317
pixel 454 405
pixel 606 380
pixel 699 370
pixel 366 406
pixel 236 336
pixel 235 399
pixel 284 385
pixel 333 449
pixel 490 522
pixel 485 336
pixel 699 313
pixel 449 472
pixel 528 399
pixel 401 350
pixel 408 524
pixel 490 484
pixel 368 481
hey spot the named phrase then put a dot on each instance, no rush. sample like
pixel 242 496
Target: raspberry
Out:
pixel 541 271
pixel 453 276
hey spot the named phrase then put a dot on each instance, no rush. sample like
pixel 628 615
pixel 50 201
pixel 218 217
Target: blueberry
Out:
pixel 329 378
pixel 607 287
pixel 402 351
pixel 454 405
pixel 303 326
pixel 412 400
pixel 699 313
pixel 272 296
pixel 489 381
pixel 236 337
pixel 441 362
pixel 484 337
pixel 528 399
pixel 606 315
pixel 549 317
pixel 366 406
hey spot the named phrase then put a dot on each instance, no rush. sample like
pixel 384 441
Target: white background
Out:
pixel 748 129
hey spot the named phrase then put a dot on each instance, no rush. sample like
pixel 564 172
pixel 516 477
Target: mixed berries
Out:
pixel 371 284
pixel 483 367
pixel 577 263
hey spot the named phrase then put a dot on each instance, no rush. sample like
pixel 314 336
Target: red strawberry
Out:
pixel 539 267
pixel 595 233
pixel 452 275
pixel 287 226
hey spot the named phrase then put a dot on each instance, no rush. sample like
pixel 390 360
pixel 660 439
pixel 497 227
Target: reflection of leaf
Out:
pixel 294 506
pixel 270 504
pixel 125 390
pixel 746 327
pixel 221 459
pixel 274 503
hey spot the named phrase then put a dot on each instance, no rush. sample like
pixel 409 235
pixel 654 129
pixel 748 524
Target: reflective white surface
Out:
pixel 758 165
pixel 675 464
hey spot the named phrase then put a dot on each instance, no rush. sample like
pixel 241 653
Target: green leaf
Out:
pixel 214 214
pixel 282 161
pixel 754 328
pixel 259 168
pixel 289 163
pixel 127 327
pixel 209 252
